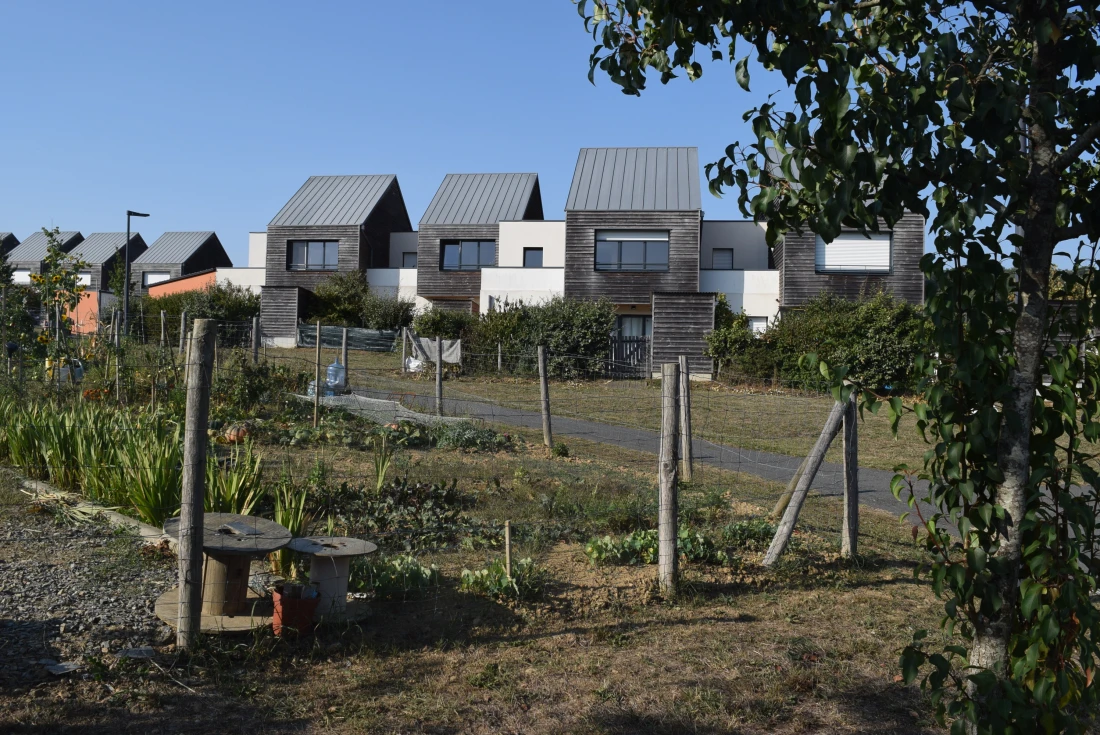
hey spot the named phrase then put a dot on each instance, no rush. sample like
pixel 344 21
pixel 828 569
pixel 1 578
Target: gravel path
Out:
pixel 68 594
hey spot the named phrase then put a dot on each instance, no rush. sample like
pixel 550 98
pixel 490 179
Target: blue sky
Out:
pixel 210 115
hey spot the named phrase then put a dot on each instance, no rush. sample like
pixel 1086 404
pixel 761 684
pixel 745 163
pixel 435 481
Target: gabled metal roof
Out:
pixel 175 247
pixel 635 179
pixel 333 200
pixel 98 247
pixel 481 199
pixel 36 247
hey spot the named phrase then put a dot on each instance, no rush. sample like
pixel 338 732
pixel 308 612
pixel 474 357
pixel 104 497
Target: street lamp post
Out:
pixel 126 285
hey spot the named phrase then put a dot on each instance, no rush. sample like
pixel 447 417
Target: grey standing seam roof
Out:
pixel 635 179
pixel 480 199
pixel 333 200
pixel 5 235
pixel 98 247
pixel 36 247
pixel 174 247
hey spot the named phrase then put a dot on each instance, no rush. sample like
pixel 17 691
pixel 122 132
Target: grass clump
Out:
pixel 641 547
pixel 753 534
pixel 526 583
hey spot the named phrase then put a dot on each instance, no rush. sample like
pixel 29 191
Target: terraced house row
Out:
pixel 634 232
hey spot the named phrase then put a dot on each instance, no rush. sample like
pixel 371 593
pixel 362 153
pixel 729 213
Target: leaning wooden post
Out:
pixel 317 381
pixel 687 455
pixel 849 534
pixel 813 464
pixel 668 505
pixel 508 548
pixel 255 340
pixel 344 352
pixel 194 478
pixel 544 399
pixel 785 498
pixel 163 329
pixel 438 375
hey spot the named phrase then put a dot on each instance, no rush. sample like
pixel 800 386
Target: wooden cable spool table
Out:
pixel 330 565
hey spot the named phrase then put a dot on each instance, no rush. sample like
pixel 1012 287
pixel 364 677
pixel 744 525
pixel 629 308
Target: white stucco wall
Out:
pixel 395 282
pixel 250 278
pixel 515 236
pixel 530 285
pixel 750 251
pixel 257 250
pixel 401 242
pixel 754 292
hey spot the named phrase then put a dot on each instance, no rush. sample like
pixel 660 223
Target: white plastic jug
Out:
pixel 337 376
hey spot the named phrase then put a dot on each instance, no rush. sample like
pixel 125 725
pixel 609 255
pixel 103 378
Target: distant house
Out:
pixel 101 252
pixel 176 254
pixel 26 258
pixel 8 242
pixel 459 233
pixel 332 224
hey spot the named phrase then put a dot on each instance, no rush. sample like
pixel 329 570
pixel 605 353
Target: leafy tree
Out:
pixel 346 300
pixel 57 286
pixel 989 108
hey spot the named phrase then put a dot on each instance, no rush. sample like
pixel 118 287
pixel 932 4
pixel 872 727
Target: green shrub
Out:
pixel 755 534
pixel 393 578
pixel 876 337
pixel 346 300
pixel 641 547
pixel 464 435
pixel 560 450
pixel 225 302
pixel 527 582
pixel 445 323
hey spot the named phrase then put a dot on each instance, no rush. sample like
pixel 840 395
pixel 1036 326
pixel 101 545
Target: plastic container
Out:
pixel 337 376
pixel 313 390
pixel 295 605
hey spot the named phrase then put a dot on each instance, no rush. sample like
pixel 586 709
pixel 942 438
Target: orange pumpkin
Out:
pixel 236 433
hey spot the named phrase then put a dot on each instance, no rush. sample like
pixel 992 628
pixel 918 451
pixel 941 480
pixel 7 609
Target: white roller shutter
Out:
pixel 851 252
pixel 21 276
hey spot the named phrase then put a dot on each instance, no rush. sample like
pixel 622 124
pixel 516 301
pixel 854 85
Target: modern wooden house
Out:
pixel 26 258
pixel 8 242
pixel 333 224
pixel 176 254
pixel 459 233
pixel 101 252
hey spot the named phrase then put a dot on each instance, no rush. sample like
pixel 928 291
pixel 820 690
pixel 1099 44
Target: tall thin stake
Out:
pixel 668 504
pixel 255 340
pixel 438 375
pixel 344 350
pixel 317 381
pixel 849 533
pixel 183 333
pixel 404 335
pixel 163 329
pixel 508 548
pixel 194 479
pixel 544 399
pixel 687 455
pixel 500 357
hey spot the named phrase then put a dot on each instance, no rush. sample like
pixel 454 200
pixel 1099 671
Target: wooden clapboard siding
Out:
pixel 681 322
pixel 464 305
pixel 278 239
pixel 279 311
pixel 582 280
pixel 799 280
pixel 434 283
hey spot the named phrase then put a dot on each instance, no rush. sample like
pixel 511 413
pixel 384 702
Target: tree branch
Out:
pixel 1079 146
pixel 1003 212
pixel 1077 229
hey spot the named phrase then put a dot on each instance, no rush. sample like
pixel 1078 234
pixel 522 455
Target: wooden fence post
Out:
pixel 183 333
pixel 404 337
pixel 194 479
pixel 813 464
pixel 668 504
pixel 500 357
pixel 438 375
pixel 785 498
pixel 163 329
pixel 508 548
pixel 687 455
pixel 849 534
pixel 544 399
pixel 317 380
pixel 344 353
pixel 255 340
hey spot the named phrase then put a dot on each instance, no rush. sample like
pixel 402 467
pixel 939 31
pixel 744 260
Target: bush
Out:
pixel 641 547
pixel 445 323
pixel 464 435
pixel 225 302
pixel 751 534
pixel 345 300
pixel 877 338
pixel 394 578
pixel 527 581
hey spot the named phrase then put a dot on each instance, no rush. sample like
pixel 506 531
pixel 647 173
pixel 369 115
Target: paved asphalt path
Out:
pixel 874 485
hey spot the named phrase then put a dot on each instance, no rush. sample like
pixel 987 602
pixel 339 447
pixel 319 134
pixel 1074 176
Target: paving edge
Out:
pixel 150 535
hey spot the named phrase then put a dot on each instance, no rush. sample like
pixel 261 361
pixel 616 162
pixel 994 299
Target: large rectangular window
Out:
pixel 631 250
pixel 314 255
pixel 851 252
pixel 468 255
pixel 532 257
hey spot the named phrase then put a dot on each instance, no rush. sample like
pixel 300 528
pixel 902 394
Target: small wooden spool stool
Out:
pixel 330 564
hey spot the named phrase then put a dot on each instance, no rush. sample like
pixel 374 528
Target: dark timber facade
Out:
pixel 177 254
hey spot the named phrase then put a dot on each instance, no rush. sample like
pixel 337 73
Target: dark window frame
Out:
pixel 291 265
pixel 462 266
pixel 534 250
pixel 661 266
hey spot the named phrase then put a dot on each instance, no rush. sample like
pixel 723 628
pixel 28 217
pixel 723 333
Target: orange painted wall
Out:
pixel 194 283
pixel 86 312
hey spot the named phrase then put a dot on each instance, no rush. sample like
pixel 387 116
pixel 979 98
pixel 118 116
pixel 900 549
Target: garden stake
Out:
pixel 317 380
pixel 344 354
pixel 499 361
pixel 183 333
pixel 194 478
pixel 404 335
pixel 163 329
pixel 508 548
pixel 667 468
pixel 255 340
pixel 687 455
pixel 438 375
pixel 544 400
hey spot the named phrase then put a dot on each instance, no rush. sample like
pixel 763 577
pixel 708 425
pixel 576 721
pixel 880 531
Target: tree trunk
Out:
pixel 992 633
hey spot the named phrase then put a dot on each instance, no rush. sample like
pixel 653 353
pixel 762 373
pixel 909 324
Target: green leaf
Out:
pixel 741 71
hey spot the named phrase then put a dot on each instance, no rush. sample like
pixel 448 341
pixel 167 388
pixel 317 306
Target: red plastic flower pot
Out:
pixel 293 614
